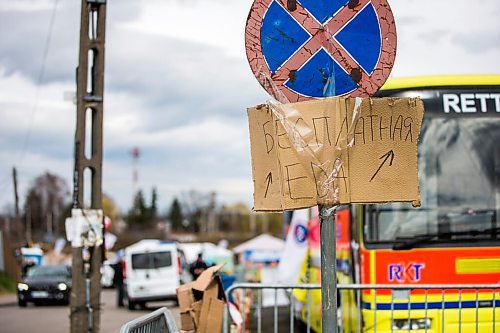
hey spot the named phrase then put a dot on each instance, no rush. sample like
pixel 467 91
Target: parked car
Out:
pixel 154 269
pixel 45 283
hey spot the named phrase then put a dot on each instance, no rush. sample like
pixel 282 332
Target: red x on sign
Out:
pixel 306 49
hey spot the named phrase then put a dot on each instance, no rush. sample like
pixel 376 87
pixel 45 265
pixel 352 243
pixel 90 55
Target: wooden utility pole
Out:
pixel 29 237
pixel 85 294
pixel 16 203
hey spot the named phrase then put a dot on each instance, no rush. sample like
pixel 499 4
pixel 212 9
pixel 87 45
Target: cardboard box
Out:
pixel 335 151
pixel 201 303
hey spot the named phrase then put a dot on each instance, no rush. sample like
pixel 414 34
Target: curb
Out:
pixel 8 300
pixel 8 304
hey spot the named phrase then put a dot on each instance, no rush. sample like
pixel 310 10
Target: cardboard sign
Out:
pixel 335 151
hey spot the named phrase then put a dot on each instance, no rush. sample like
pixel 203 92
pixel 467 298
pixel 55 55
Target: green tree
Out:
pixel 139 214
pixel 153 209
pixel 175 215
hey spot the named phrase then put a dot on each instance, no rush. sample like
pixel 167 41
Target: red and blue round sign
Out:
pixel 303 49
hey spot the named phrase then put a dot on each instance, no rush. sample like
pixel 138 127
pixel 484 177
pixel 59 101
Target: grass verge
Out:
pixel 7 285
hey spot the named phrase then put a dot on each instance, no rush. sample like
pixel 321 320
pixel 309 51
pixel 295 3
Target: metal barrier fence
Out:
pixel 382 308
pixel 159 321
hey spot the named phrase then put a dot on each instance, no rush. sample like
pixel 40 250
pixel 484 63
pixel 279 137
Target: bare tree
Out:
pixel 199 210
pixel 45 203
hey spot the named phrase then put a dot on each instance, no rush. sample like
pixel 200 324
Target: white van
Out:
pixel 153 269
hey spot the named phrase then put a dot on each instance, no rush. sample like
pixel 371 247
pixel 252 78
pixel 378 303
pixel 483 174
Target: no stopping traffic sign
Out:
pixel 306 49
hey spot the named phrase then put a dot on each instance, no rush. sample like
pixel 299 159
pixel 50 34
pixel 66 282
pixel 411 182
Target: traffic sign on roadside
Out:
pixel 306 49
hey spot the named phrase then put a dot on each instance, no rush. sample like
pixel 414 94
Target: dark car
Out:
pixel 45 283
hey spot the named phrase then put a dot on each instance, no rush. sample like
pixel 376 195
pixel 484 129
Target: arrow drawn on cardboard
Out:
pixel 386 156
pixel 269 180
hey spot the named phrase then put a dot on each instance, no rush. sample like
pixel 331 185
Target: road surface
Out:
pixel 55 319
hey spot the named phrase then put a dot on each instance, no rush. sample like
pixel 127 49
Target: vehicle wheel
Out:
pixel 131 305
pixel 142 305
pixel 21 303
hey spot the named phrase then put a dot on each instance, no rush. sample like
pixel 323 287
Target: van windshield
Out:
pixel 151 260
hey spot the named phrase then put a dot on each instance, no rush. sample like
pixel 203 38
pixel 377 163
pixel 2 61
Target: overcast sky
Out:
pixel 177 84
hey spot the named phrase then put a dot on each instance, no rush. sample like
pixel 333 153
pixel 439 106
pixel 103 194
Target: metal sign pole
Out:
pixel 328 269
pixel 318 34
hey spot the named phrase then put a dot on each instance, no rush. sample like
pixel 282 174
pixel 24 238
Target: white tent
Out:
pixel 263 248
pixel 262 242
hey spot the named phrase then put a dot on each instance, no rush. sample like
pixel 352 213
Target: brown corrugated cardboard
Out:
pixel 335 151
pixel 187 322
pixel 211 317
pixel 201 302
pixel 195 312
pixel 185 297
pixel 203 281
pixel 212 290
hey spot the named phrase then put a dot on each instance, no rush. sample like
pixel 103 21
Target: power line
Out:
pixel 5 186
pixel 39 81
pixel 41 74
pixel 5 180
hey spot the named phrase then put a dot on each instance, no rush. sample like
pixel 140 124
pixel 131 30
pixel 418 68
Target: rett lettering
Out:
pixel 470 103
